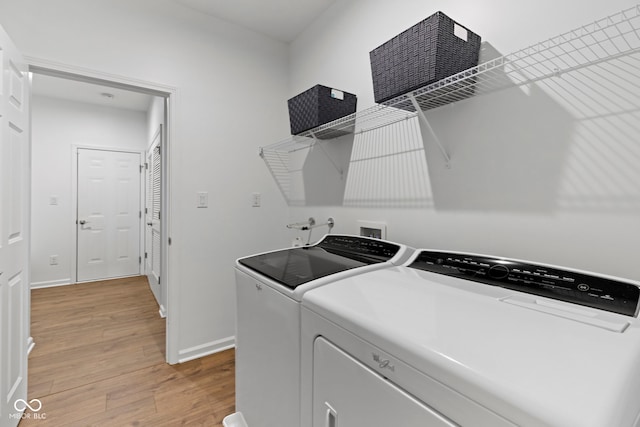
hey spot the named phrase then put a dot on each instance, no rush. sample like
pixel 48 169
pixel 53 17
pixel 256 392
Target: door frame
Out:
pixel 171 97
pixel 74 201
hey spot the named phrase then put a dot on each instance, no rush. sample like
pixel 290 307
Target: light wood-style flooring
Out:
pixel 99 360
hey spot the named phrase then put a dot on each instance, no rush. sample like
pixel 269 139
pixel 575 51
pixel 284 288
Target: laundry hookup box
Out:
pixel 431 50
pixel 318 106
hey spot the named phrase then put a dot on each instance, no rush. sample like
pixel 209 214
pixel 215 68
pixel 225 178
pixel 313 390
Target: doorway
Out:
pixel 162 97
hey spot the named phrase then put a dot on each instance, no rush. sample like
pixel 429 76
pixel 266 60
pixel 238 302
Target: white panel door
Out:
pixel 14 236
pixel 152 216
pixel 108 214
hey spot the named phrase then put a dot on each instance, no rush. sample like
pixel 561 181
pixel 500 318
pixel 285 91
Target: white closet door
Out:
pixel 152 216
pixel 108 214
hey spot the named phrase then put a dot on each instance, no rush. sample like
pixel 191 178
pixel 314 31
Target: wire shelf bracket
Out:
pixel 333 162
pixel 424 120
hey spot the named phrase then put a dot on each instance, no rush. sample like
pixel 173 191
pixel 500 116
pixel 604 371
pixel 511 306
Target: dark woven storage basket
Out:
pixel 316 106
pixel 425 53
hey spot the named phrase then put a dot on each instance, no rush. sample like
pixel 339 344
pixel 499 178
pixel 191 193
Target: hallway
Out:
pixel 99 360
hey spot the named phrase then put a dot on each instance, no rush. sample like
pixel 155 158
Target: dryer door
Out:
pixel 348 393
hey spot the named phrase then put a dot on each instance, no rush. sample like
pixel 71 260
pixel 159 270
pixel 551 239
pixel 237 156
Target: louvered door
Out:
pixel 153 214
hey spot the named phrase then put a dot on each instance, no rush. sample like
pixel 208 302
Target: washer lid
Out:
pixel 335 253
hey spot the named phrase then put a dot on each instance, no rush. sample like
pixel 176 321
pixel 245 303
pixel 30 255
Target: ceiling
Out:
pixel 281 20
pixel 71 90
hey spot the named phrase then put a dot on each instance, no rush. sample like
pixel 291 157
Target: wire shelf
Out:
pixel 604 40
pixel 607 39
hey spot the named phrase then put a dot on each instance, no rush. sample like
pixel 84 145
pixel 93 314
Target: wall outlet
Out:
pixel 53 260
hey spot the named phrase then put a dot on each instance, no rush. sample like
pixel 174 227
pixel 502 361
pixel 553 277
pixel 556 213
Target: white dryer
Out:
pixel 456 339
pixel 269 289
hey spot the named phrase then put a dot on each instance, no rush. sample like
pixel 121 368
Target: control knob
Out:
pixel 498 271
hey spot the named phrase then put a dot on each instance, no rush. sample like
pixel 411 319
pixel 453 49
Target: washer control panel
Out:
pixel 359 246
pixel 579 288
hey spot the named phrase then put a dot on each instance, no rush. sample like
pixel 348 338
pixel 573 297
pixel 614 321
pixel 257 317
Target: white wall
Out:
pixel 155 117
pixel 541 175
pixel 232 87
pixel 230 100
pixel 57 125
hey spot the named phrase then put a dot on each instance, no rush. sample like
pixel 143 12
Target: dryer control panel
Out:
pixel 566 285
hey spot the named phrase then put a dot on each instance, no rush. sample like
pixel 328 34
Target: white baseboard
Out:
pixel 30 344
pixel 162 311
pixel 206 349
pixel 51 283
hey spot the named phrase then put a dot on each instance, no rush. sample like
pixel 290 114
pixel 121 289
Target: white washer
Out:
pixel 269 289
pixel 456 339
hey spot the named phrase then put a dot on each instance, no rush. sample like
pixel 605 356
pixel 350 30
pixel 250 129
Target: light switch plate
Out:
pixel 203 199
pixel 255 200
